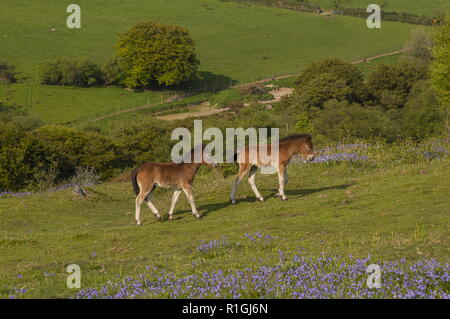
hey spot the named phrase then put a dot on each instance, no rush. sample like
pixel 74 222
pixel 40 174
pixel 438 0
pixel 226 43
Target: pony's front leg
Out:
pixel 234 189
pixel 243 169
pixel 188 191
pixel 175 196
pixel 281 181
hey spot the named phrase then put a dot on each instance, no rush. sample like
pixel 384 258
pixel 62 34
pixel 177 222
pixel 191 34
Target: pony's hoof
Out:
pixel 261 199
pixel 284 198
pixel 233 201
pixel 199 216
pixel 170 217
pixel 139 223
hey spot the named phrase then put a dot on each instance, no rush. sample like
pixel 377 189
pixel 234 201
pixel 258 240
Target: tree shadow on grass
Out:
pixel 209 81
pixel 206 209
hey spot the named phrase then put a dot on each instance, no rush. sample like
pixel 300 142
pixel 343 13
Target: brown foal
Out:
pixel 249 160
pixel 178 176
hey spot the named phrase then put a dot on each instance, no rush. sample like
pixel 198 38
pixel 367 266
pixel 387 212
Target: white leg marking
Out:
pixel 191 201
pixel 251 181
pixel 175 196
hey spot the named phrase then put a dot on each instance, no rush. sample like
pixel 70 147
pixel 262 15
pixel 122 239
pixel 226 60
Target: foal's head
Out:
pixel 205 156
pixel 303 145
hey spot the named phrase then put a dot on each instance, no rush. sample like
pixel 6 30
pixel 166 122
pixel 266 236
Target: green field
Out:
pixel 419 7
pixel 267 41
pixel 390 211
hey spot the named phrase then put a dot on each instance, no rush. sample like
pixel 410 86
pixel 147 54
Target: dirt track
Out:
pixel 208 112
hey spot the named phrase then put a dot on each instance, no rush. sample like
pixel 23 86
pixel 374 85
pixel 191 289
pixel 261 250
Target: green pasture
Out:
pixel 235 44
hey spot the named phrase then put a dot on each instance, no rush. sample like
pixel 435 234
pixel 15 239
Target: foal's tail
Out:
pixel 134 182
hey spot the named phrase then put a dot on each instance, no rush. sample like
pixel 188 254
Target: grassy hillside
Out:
pixel 420 7
pixel 267 41
pixel 332 209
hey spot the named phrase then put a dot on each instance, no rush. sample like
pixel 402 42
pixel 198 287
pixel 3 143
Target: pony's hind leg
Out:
pixel 251 181
pixel 188 191
pixel 175 196
pixel 243 169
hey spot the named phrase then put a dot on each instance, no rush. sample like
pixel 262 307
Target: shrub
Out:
pixel 69 149
pixel 7 73
pixel 144 141
pixel 113 71
pixel 328 79
pixel 320 89
pixel 77 72
pixel 422 115
pixel 18 154
pixel 391 84
pixel 419 45
pixel 340 119
pixel 156 53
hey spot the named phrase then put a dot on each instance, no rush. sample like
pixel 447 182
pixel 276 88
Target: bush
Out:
pixel 113 72
pixel 69 149
pixel 145 141
pixel 77 72
pixel 318 90
pixel 329 79
pixel 340 119
pixel 156 53
pixel 18 157
pixel 391 84
pixel 422 115
pixel 419 45
pixel 7 73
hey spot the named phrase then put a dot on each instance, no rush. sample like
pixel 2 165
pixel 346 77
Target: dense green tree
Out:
pixel 346 72
pixel 341 119
pixel 422 116
pixel 320 89
pixel 18 157
pixel 156 53
pixel 391 84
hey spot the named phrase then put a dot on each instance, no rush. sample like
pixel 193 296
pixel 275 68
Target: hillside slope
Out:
pixel 331 210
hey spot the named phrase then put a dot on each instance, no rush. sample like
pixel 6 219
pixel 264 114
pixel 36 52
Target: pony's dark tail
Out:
pixel 235 157
pixel 134 182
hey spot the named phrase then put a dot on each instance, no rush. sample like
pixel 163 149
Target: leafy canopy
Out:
pixel 154 52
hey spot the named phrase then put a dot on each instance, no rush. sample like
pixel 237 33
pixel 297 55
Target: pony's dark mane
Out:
pixel 295 137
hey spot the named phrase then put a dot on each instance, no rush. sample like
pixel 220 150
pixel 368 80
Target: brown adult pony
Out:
pixel 249 160
pixel 178 176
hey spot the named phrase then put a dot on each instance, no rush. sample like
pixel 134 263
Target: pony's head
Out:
pixel 205 156
pixel 303 145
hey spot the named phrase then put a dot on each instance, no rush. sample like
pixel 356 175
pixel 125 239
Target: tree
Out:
pixel 154 52
pixel 440 70
pixel 345 72
pixel 340 119
pixel 419 46
pixel 422 116
pixel 320 89
pixel 391 84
